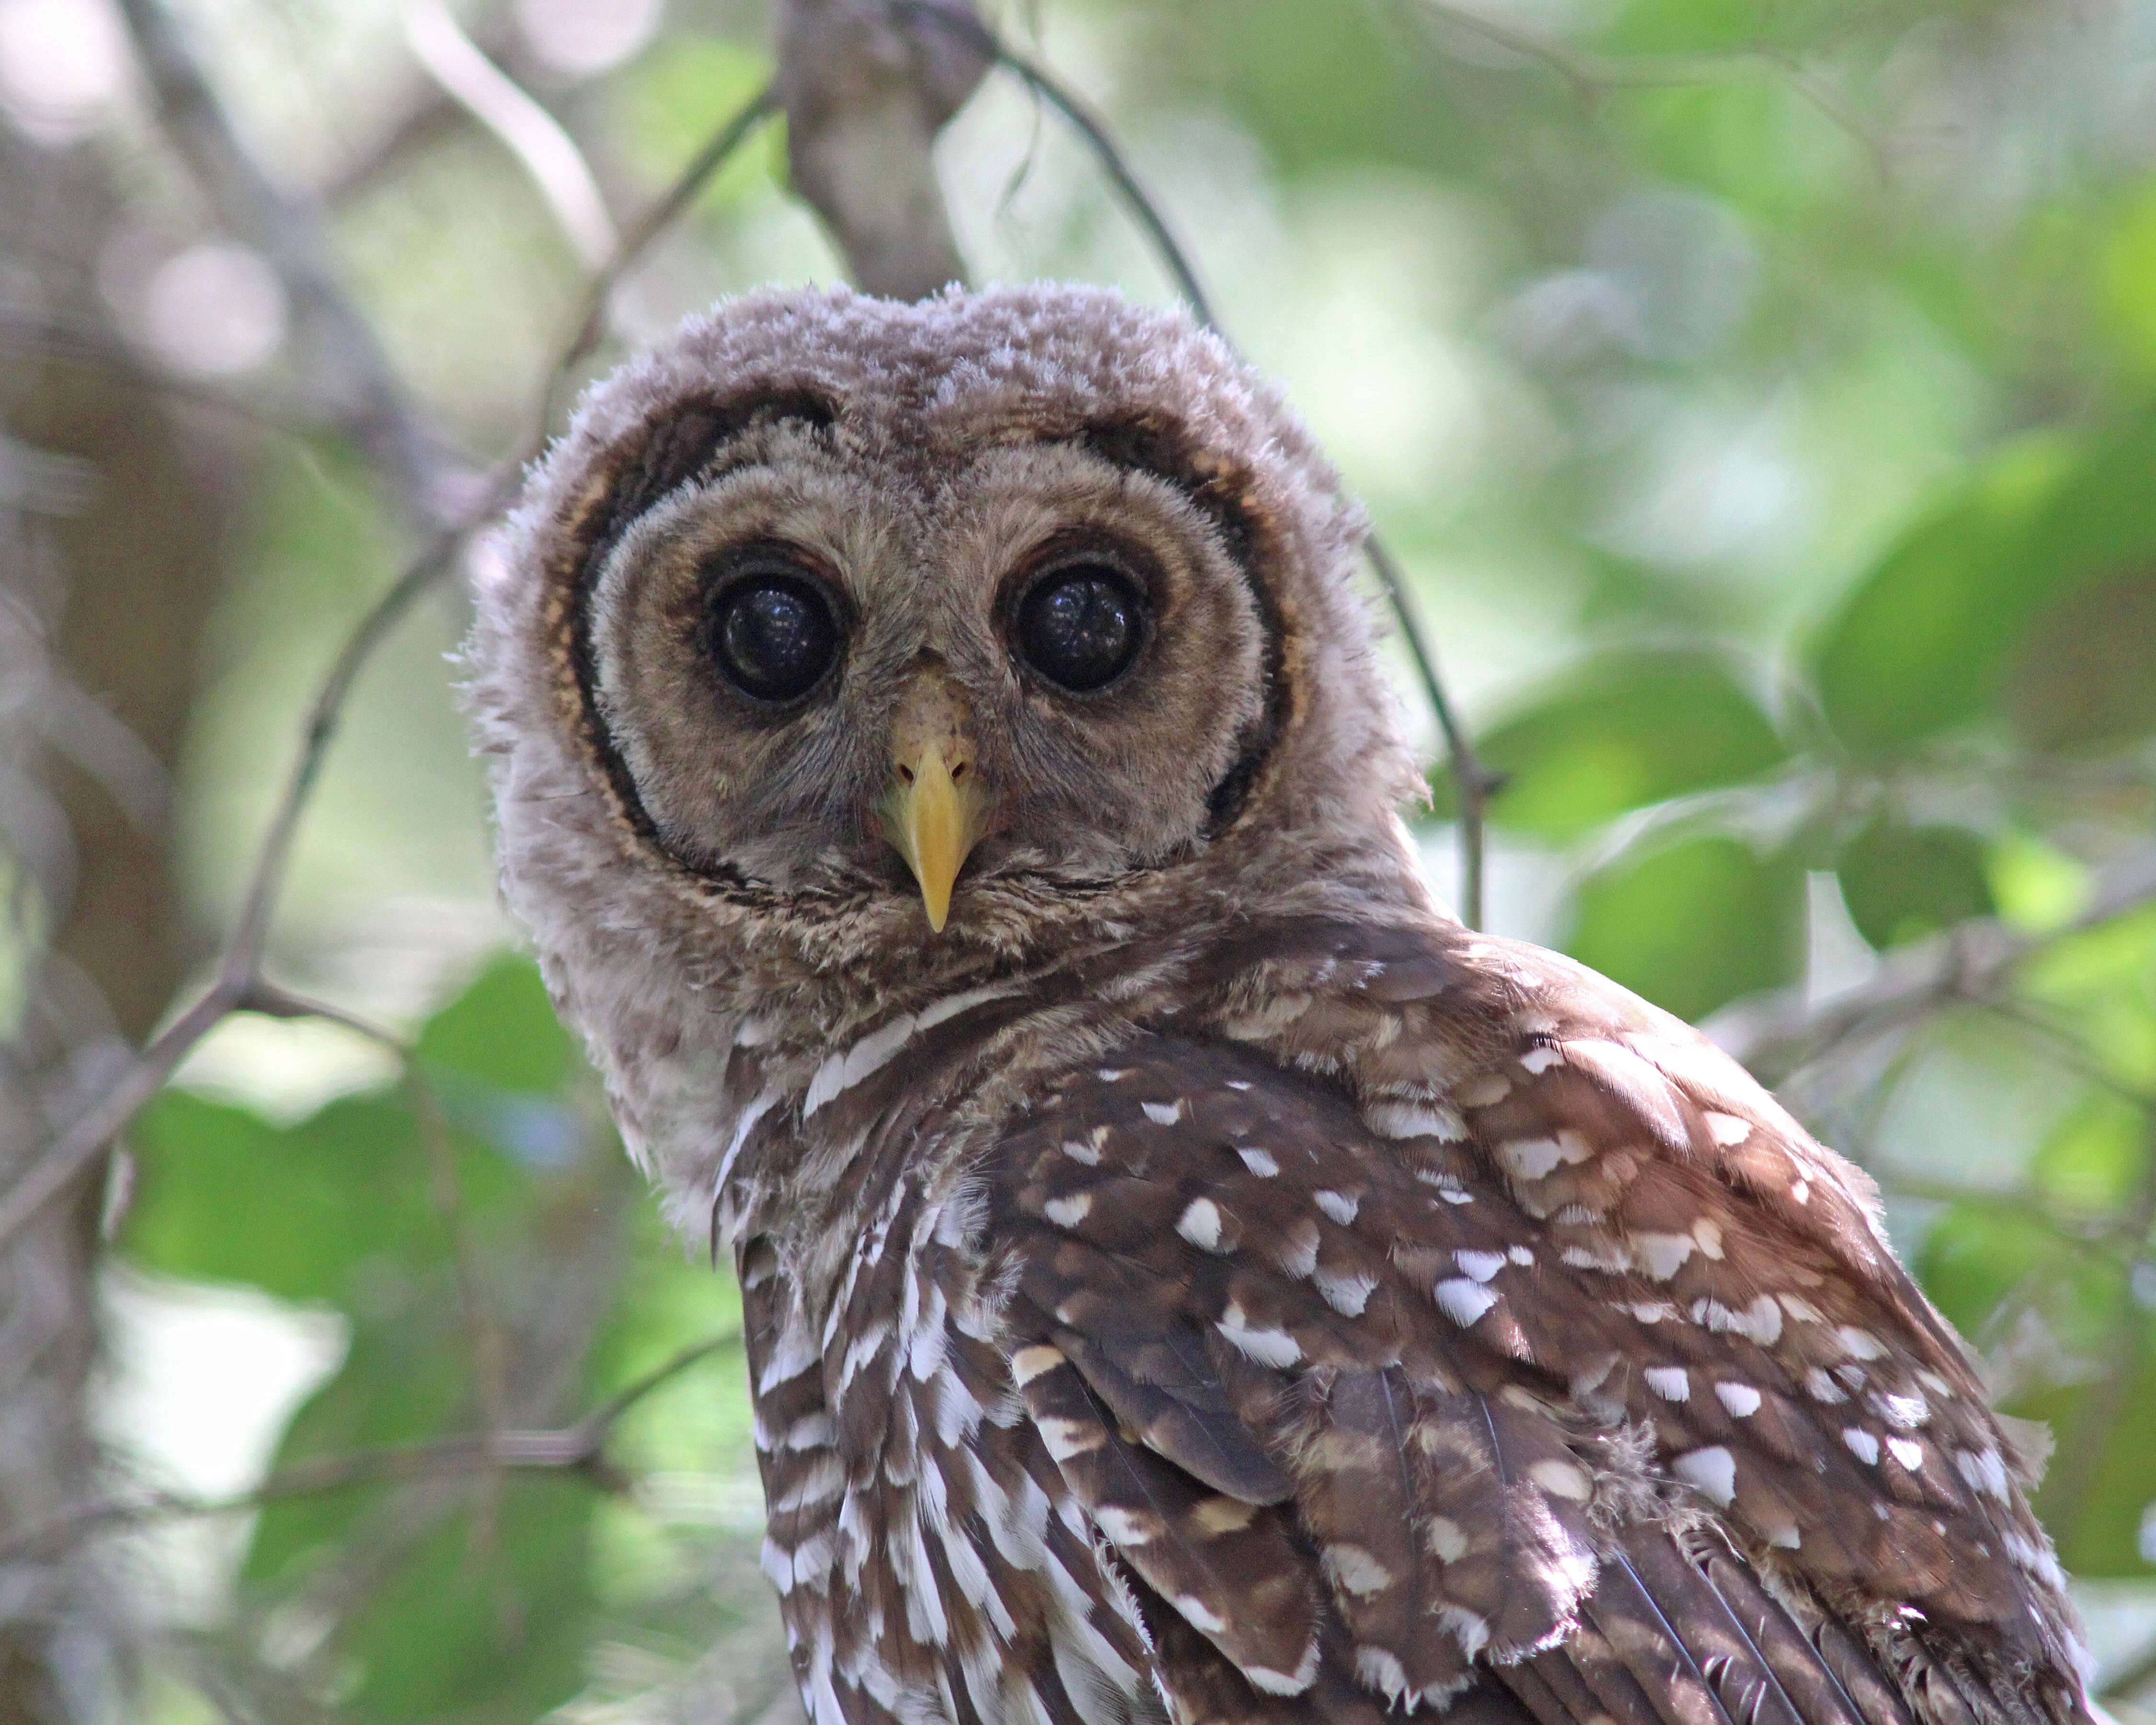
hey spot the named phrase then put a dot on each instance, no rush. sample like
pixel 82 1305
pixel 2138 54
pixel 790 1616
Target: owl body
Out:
pixel 1187 1275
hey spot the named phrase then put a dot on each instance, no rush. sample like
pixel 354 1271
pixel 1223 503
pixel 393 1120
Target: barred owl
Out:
pixel 940 757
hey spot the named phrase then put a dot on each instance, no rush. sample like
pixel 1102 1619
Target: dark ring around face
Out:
pixel 680 446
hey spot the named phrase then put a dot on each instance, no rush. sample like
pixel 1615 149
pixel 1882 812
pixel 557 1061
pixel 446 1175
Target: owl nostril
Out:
pixel 958 771
pixel 906 773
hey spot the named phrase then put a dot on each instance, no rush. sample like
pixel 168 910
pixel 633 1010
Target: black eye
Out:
pixel 1082 626
pixel 772 636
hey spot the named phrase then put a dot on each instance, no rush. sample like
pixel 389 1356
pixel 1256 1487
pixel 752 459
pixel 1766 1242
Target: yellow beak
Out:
pixel 935 812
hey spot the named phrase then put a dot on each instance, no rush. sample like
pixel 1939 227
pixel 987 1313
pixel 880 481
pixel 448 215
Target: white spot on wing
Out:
pixel 1201 1224
pixel 1907 1451
pixel 1672 1384
pixel 1355 1571
pixel 1480 1265
pixel 1415 1120
pixel 1268 1347
pixel 1162 1113
pixel 1341 1206
pixel 1661 1255
pixel 1742 1399
pixel 1462 1301
pixel 1028 1364
pixel 1562 1479
pixel 1713 1471
pixel 1862 1444
pixel 1200 1615
pixel 1532 1158
pixel 1292 1683
pixel 1068 1212
pixel 1259 1163
pixel 1347 1295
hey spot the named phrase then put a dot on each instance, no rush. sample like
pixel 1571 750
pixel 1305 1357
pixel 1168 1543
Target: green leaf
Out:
pixel 1902 883
pixel 1622 732
pixel 2091 1162
pixel 501 1031
pixel 223 1196
pixel 2031 599
pixel 2101 986
pixel 1918 646
pixel 1695 926
pixel 2128 280
pixel 2084 670
pixel 1979 1251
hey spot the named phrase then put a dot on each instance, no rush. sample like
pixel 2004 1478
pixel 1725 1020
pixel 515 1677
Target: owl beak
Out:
pixel 935 812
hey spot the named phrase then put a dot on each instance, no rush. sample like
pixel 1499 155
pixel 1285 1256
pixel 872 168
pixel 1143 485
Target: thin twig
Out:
pixel 1590 75
pixel 592 318
pixel 1475 783
pixel 374 405
pixel 547 153
pixel 1971 961
pixel 239 974
pixel 580 1447
pixel 82 1142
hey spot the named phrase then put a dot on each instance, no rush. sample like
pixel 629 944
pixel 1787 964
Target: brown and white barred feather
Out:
pixel 1399 1319
pixel 1202 1281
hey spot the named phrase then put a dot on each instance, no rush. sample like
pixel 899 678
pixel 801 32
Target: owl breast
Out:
pixel 1517 1360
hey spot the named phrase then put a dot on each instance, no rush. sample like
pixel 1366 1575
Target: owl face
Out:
pixel 841 634
pixel 841 668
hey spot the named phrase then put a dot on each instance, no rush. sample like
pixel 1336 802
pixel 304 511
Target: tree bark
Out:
pixel 866 87
pixel 107 586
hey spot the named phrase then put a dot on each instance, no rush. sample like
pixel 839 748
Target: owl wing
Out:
pixel 1545 1403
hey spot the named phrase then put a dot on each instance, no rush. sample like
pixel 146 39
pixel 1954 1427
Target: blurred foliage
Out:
pixel 1763 400
pixel 479 1595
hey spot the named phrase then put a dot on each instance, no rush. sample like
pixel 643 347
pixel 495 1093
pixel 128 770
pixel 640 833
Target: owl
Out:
pixel 940 757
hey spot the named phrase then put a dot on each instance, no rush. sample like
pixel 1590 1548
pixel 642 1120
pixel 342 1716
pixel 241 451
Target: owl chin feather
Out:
pixel 1185 1273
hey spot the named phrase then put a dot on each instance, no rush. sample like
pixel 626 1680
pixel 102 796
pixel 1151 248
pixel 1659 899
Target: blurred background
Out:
pixel 1760 396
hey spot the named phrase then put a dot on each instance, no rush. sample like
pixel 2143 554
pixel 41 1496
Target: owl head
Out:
pixel 839 634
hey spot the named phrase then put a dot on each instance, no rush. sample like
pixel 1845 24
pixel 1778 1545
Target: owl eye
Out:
pixel 773 636
pixel 1082 626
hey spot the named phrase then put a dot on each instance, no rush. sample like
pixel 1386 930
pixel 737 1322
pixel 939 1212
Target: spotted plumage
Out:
pixel 1187 1275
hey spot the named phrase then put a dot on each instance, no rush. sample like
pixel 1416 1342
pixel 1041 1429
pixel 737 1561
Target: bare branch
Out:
pixel 348 361
pixel 546 152
pixel 592 320
pixel 1475 783
pixel 1143 210
pixel 580 1447
pixel 865 97
pixel 1591 75
pixel 1971 961
pixel 83 1142
pixel 239 975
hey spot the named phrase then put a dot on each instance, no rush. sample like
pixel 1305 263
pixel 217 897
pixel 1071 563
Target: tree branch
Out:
pixel 580 1447
pixel 865 98
pixel 239 974
pixel 348 364
pixel 1967 961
